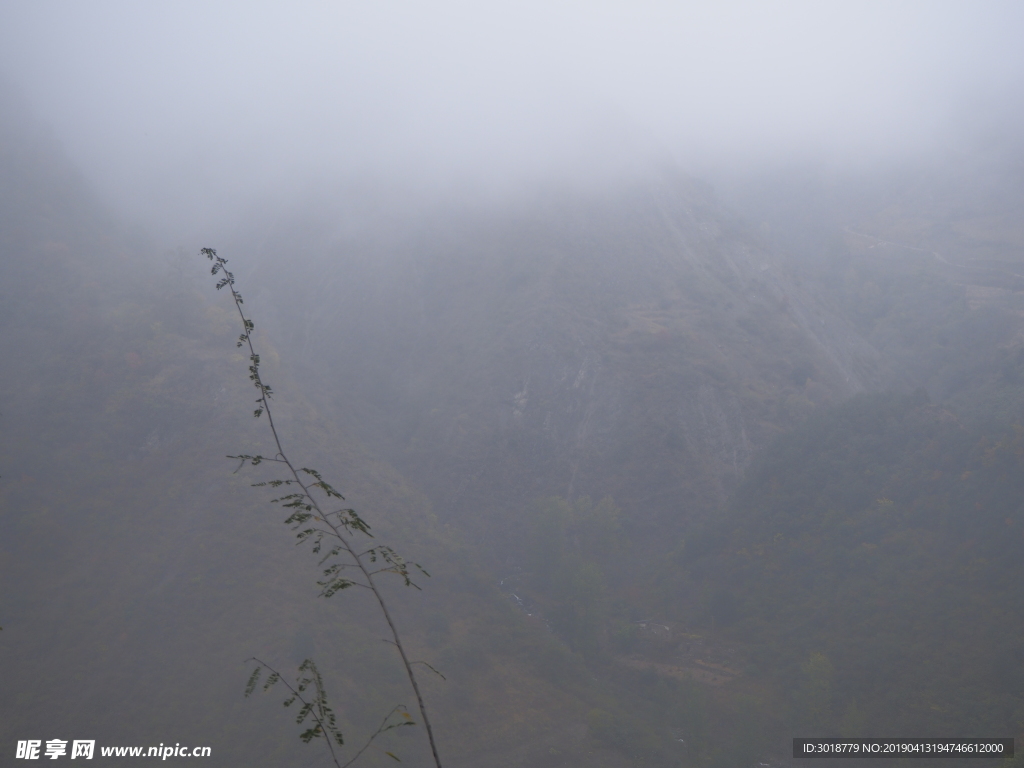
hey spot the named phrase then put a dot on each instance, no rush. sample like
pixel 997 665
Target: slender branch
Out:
pixel 383 727
pixel 327 731
pixel 347 565
pixel 338 531
pixel 431 668
pixel 351 584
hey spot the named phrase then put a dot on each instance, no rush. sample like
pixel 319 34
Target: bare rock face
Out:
pixel 641 344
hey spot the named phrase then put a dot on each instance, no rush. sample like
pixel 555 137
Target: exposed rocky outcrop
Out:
pixel 641 344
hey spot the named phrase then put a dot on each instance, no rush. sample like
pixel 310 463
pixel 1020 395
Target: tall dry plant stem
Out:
pixel 347 564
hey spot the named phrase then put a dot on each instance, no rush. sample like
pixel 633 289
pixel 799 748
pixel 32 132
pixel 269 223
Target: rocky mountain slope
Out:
pixel 640 343
pixel 589 413
pixel 138 572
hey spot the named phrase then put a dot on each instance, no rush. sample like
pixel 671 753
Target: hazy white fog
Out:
pixel 181 111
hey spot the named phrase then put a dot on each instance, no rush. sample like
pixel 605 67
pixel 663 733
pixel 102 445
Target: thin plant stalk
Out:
pixel 341 524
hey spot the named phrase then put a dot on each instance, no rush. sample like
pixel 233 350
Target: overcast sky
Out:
pixel 179 106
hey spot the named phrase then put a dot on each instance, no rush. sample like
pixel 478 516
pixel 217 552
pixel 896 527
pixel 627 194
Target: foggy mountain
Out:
pixel 140 584
pixel 642 343
pixel 648 346
pixel 705 444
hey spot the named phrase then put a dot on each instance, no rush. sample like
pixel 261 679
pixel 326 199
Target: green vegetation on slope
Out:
pixel 874 554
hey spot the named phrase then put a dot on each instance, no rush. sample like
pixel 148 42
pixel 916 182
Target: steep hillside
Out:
pixel 138 572
pixel 925 261
pixel 639 343
pixel 870 566
pixel 581 383
pixel 616 426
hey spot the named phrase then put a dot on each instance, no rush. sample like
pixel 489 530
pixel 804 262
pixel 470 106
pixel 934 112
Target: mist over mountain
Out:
pixel 184 116
pixel 684 349
pixel 641 343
